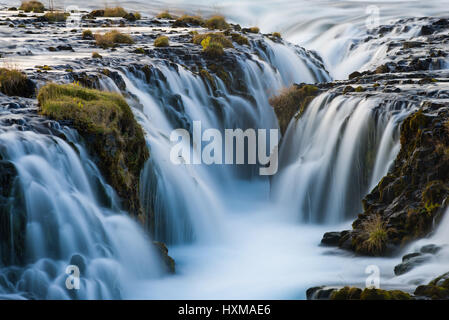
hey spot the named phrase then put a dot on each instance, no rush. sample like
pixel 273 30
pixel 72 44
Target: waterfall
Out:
pixel 190 201
pixel 72 218
pixel 333 155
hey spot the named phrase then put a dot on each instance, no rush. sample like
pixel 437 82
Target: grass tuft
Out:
pixel 32 6
pixel 112 38
pixel 15 83
pixel 216 22
pixel 161 41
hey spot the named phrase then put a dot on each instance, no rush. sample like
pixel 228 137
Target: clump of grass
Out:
pixel 133 16
pixel 214 38
pixel 161 41
pixel 15 83
pixel 96 55
pixel 241 40
pixel 107 124
pixel 216 22
pixel 186 21
pixel 87 35
pixel 32 6
pixel 112 38
pixel 276 35
pixel 166 15
pixel 115 12
pixel 211 48
pixel 55 16
pixel 254 30
pixel 374 231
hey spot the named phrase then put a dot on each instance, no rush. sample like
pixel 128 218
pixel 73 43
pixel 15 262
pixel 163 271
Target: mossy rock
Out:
pixel 109 129
pixel 352 293
pixel 168 263
pixel 292 101
pixel 410 198
pixel 16 83
pixel 437 289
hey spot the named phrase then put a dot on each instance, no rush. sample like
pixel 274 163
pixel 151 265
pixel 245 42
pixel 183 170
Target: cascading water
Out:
pixel 227 235
pixel 338 150
pixel 187 200
pixel 72 218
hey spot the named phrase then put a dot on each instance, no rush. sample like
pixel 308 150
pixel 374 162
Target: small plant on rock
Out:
pixel 161 41
pixel 32 6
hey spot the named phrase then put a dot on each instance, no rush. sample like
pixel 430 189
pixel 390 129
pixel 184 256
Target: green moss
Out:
pixel 166 15
pixel 276 35
pixel 412 126
pixel 162 41
pixel 32 6
pixel 353 293
pixel 216 22
pixel 139 51
pixel 292 101
pixel 346 293
pixel 433 195
pixel 212 49
pixel 15 83
pixel 187 20
pixel 111 133
pixel 118 12
pixel 378 294
pixel 87 35
pixel 112 38
pixel 55 16
pixel 96 55
pixel 208 78
pixel 254 30
pixel 213 37
pixel 359 89
pixel 240 39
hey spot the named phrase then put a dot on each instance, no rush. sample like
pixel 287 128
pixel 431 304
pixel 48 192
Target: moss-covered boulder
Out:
pixel 292 101
pixel 15 83
pixel 354 293
pixel 112 135
pixel 410 200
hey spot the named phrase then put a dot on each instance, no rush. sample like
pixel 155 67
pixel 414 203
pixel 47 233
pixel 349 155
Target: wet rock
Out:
pixel 409 262
pixel 437 289
pixel 331 239
pixel 13 217
pixel 167 261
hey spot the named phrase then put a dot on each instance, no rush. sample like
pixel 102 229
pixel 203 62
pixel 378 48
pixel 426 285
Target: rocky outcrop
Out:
pixel 292 102
pixel 12 216
pixel 353 293
pixel 110 132
pixel 437 289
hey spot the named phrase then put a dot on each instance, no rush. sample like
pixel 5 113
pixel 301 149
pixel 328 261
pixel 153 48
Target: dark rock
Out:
pixel 168 262
pixel 331 239
pixel 430 248
pixel 410 263
pixel 437 289
pixel 355 74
